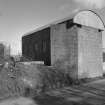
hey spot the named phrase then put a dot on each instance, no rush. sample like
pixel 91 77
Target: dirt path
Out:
pixel 18 101
pixel 89 94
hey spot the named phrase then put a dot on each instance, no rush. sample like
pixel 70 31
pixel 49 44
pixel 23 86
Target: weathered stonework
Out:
pixel 89 52
pixel 77 49
pixel 64 48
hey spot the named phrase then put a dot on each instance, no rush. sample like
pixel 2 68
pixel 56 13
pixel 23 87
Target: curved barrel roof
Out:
pixel 89 18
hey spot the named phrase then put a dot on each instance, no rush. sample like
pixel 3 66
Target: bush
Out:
pixel 9 84
pixel 43 78
pixel 30 80
pixel 52 78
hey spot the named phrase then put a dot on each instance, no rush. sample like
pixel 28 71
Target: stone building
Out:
pixel 75 43
pixel 4 50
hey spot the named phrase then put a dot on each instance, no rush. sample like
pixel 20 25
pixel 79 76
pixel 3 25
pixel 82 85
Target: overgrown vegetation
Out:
pixel 19 79
pixel 30 80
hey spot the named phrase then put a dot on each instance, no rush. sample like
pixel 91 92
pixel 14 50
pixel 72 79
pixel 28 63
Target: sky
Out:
pixel 17 17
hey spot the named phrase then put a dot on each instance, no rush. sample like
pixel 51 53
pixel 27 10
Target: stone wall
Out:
pixel 77 49
pixel 64 48
pixel 89 52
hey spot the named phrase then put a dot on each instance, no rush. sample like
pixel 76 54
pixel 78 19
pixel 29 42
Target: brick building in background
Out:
pixel 74 43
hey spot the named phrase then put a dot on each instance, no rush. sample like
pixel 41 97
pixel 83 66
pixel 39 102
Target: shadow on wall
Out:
pixel 84 75
pixel 71 70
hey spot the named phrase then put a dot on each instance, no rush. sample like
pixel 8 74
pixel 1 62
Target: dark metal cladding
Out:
pixel 36 46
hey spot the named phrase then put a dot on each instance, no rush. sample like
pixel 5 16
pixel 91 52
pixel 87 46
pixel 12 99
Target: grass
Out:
pixel 30 80
pixel 10 85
